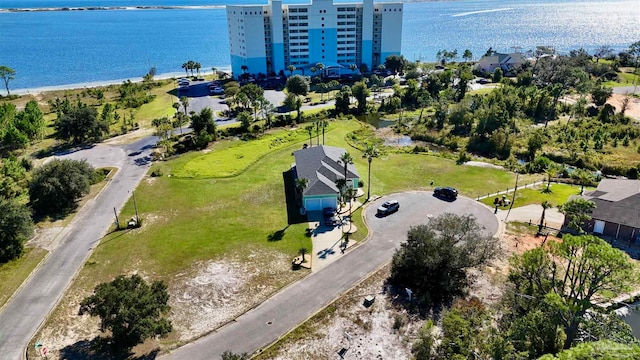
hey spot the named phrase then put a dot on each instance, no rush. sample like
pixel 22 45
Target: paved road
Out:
pixel 266 323
pixel 626 89
pixel 30 306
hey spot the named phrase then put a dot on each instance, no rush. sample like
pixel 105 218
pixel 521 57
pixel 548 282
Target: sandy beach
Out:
pixel 93 84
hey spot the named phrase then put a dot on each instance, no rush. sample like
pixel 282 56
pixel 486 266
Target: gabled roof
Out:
pixel 321 167
pixel 617 201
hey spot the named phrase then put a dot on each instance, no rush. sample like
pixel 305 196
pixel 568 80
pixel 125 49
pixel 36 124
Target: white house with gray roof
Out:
pixel 321 166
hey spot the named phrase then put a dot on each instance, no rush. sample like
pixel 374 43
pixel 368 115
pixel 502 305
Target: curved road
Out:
pixel 265 324
pixel 31 304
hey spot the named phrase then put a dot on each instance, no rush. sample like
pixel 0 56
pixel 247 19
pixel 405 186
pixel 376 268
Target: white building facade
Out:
pixel 265 39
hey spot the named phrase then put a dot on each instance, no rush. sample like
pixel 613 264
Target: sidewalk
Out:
pixel 532 213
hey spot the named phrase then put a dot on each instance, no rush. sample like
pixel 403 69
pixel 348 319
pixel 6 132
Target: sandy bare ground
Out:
pixel 202 298
pixel 633 106
pixel 385 330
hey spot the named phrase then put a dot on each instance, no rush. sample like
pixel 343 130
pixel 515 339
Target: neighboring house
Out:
pixel 617 212
pixel 506 62
pixel 321 166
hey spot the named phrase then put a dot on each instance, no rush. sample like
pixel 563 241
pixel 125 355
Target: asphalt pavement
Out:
pixel 266 323
pixel 31 304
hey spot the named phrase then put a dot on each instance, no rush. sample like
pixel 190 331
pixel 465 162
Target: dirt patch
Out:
pixel 203 298
pixel 46 237
pixel 633 106
pixel 348 325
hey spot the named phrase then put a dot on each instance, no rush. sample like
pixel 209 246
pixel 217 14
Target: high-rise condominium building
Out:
pixel 269 38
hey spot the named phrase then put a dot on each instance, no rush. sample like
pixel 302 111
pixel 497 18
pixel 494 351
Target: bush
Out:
pixel 16 228
pixel 156 172
pixel 57 185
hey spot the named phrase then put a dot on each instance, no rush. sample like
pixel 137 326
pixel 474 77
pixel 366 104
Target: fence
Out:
pixel 510 190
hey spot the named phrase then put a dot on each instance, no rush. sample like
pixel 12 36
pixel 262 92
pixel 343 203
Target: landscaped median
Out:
pixel 222 239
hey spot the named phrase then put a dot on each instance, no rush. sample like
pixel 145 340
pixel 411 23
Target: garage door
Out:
pixel 329 202
pixel 598 227
pixel 313 204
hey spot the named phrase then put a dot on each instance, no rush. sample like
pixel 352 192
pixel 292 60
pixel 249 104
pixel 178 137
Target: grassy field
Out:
pixel 559 194
pixel 15 272
pixel 232 158
pixel 190 221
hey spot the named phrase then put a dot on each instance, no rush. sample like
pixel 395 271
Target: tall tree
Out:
pixel 309 129
pixel 395 63
pixel 16 227
pixel 130 308
pixel 353 67
pixel 7 74
pixel 185 104
pixel 545 205
pixel 185 66
pixel 360 91
pixel 80 124
pixel 370 152
pixel 343 100
pixel 467 55
pixel 578 212
pixel 435 259
pixel 197 66
pixel 320 67
pixel 291 69
pixel 298 85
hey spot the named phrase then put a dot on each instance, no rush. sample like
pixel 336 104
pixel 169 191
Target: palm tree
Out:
pixel 191 65
pixel 244 68
pixel 185 66
pixel 353 67
pixel 302 251
pixel 301 184
pixel 341 184
pixel 370 152
pixel 320 67
pixel 323 124
pixel 185 103
pixel 176 106
pixel 313 70
pixel 545 205
pixel 467 55
pixel 309 129
pixel 551 171
pixel 322 87
pixel 291 69
pixel 345 160
pixel 197 66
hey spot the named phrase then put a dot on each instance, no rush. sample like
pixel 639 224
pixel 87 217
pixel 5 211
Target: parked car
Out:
pixel 446 193
pixel 328 212
pixel 482 81
pixel 216 91
pixel 388 207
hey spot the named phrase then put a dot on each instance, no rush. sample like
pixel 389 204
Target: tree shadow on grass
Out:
pixel 278 234
pixel 293 210
pixel 100 348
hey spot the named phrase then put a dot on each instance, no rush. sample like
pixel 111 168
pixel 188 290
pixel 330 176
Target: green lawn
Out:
pixel 160 107
pixel 233 157
pixel 559 195
pixel 15 272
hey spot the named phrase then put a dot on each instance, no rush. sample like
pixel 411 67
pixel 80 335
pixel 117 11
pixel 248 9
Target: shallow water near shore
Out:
pixel 72 47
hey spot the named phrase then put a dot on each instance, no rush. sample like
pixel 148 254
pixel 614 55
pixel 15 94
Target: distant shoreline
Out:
pixel 94 8
pixel 95 84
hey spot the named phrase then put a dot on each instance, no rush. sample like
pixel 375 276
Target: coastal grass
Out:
pixel 237 156
pixel 558 195
pixel 15 272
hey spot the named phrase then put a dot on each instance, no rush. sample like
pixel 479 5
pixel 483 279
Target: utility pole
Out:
pixel 136 208
pixel 116 214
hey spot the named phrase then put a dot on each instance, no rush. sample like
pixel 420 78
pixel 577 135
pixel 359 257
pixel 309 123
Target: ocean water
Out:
pixel 48 48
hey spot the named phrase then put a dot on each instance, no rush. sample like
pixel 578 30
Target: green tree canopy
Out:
pixel 16 227
pixel 578 212
pixel 57 185
pixel 7 74
pixel 204 121
pixel 598 350
pixel 297 84
pixel 360 91
pixel 80 124
pixel 130 308
pixel 395 63
pixel 434 260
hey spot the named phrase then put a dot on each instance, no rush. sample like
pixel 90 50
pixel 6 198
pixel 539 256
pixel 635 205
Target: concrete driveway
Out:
pixel 263 325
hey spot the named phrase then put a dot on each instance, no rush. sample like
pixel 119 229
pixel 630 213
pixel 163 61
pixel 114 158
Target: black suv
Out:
pixel 446 193
pixel 388 207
